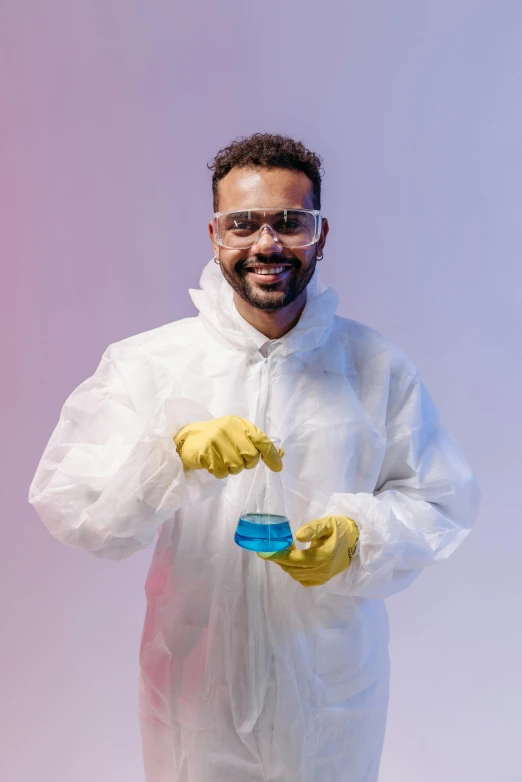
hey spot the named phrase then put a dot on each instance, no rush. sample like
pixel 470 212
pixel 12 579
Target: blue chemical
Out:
pixel 263 532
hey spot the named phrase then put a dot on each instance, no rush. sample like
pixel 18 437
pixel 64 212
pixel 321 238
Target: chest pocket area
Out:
pixel 330 438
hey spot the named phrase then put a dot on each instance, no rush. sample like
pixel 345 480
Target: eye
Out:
pixel 242 225
pixel 239 224
pixel 288 226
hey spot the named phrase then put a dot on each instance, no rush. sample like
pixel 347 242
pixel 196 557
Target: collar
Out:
pixel 258 337
pixel 215 302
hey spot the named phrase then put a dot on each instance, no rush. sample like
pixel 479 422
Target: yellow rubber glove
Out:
pixel 333 543
pixel 226 446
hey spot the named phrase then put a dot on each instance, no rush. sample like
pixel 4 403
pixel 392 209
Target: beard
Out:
pixel 274 296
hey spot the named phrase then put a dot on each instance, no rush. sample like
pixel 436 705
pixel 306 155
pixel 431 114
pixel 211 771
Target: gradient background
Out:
pixel 110 111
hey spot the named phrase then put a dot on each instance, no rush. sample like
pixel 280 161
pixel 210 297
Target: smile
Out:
pixel 268 273
pixel 271 270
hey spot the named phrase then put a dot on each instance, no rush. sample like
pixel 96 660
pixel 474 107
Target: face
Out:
pixel 247 188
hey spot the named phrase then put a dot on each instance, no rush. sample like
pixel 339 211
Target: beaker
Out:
pixel 263 524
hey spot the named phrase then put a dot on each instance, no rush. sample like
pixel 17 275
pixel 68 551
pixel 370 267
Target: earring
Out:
pixel 319 257
pixel 216 260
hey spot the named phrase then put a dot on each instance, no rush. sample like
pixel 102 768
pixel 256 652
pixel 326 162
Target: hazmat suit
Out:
pixel 246 675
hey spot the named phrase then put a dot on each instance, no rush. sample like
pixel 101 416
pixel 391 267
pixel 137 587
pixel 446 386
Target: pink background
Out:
pixel 109 113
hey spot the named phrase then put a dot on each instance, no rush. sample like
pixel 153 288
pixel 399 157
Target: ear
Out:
pixel 215 245
pixel 324 233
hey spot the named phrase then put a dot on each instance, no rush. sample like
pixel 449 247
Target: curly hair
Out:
pixel 267 150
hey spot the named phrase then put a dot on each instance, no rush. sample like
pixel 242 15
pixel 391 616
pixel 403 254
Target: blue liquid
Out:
pixel 263 532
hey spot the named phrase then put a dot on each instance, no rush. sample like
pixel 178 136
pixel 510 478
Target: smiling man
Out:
pixel 267 255
pixel 269 668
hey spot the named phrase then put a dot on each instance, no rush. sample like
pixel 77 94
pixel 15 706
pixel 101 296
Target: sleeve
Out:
pixel 424 504
pixel 110 475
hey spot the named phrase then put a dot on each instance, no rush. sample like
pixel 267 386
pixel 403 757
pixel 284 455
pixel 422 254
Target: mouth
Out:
pixel 268 273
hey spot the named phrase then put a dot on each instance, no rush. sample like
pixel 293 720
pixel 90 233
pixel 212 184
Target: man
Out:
pixel 251 669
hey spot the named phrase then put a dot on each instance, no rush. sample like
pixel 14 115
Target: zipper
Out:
pixel 259 572
pixel 263 395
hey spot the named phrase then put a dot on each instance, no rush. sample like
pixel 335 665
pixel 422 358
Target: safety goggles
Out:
pixel 242 229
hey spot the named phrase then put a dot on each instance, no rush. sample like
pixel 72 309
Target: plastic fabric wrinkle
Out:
pixel 235 683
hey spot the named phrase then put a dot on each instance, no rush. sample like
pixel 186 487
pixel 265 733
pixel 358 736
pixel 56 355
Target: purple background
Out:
pixel 110 111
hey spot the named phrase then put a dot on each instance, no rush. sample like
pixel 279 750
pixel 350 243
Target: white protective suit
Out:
pixel 247 676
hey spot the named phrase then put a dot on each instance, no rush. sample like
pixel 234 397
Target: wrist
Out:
pixel 179 445
pixel 353 548
pixel 179 441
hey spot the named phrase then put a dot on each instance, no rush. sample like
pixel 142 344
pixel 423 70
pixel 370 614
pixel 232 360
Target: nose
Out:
pixel 267 241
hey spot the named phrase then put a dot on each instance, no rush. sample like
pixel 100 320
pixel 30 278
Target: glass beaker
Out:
pixel 263 524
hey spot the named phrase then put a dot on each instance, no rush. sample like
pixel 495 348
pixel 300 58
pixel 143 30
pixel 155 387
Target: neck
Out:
pixel 272 324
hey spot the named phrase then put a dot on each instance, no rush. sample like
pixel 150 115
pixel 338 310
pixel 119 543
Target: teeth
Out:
pixel 263 270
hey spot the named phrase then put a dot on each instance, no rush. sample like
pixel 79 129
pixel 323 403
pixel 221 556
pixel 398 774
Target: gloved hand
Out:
pixel 226 446
pixel 333 543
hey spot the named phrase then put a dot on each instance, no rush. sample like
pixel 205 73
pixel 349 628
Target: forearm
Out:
pixel 110 475
pixel 399 536
pixel 424 504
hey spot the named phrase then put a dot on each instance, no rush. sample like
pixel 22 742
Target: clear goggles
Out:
pixel 289 227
